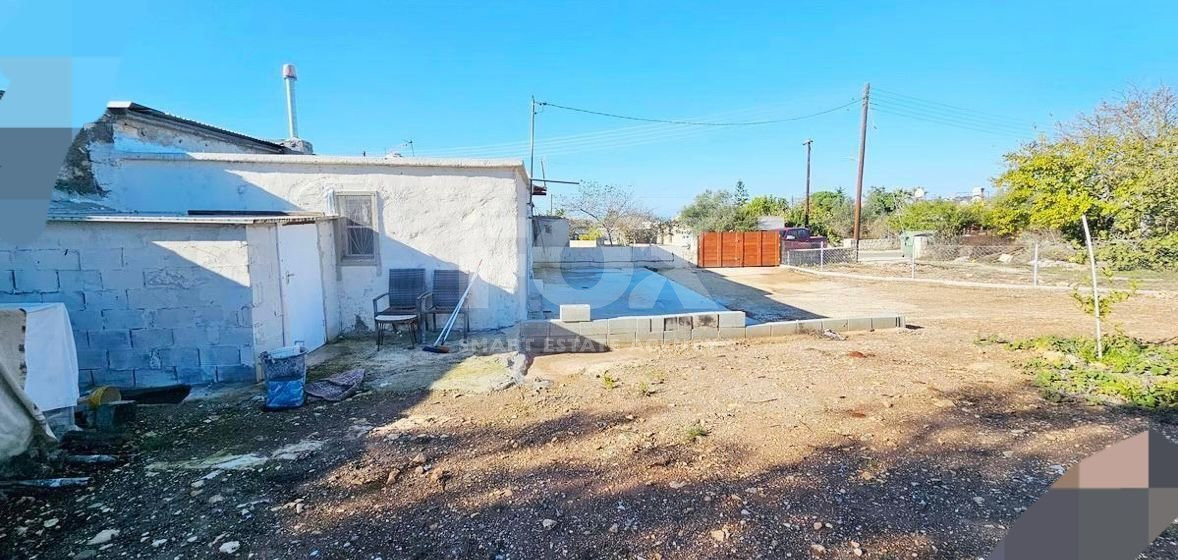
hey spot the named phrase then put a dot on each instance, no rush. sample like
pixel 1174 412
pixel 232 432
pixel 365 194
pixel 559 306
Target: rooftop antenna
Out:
pixel 289 76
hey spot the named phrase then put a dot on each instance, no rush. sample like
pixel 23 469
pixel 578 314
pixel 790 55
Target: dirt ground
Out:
pixel 917 443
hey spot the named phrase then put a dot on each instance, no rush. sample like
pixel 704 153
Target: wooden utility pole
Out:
pixel 532 144
pixel 806 216
pixel 859 177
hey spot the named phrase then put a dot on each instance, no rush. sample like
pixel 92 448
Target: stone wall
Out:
pixel 628 256
pixel 150 304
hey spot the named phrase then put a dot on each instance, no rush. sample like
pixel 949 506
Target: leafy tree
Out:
pixel 611 208
pixel 1118 165
pixel 831 214
pixel 767 205
pixel 716 211
pixel 946 217
pixel 881 202
pixel 740 194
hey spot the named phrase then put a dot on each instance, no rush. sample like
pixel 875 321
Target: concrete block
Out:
pixel 130 359
pixel 85 379
pixel 186 316
pixel 705 321
pixel 836 325
pixel 859 324
pixel 878 323
pixel 705 333
pixel 109 340
pixel 759 331
pixel 79 280
pixel 811 326
pixel 106 299
pixel 623 325
pixel 648 324
pixel 574 313
pixel 117 378
pixel 5 259
pixel 100 259
pixel 670 337
pixel 648 337
pixel 620 340
pixel 731 319
pixel 732 332
pixel 155 377
pixel 196 375
pixel 149 339
pixel 118 319
pixel 86 320
pixel 220 356
pixel 677 323
pixel 6 282
pixel 599 327
pixel 529 329
pixel 196 336
pixel 121 279
pixel 35 280
pixel 92 359
pixel 784 328
pixel 19 298
pixel 72 300
pixel 157 298
pixel 46 259
pixel 235 336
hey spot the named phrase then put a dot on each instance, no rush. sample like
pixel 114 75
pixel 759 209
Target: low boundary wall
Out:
pixel 602 335
pixel 654 256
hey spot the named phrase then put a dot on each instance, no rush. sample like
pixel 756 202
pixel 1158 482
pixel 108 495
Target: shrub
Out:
pixel 1132 371
pixel 1155 253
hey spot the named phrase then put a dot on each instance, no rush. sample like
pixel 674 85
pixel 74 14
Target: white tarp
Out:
pixel 20 420
pixel 51 355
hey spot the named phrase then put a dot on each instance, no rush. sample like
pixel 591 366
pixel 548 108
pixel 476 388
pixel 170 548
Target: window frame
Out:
pixel 344 224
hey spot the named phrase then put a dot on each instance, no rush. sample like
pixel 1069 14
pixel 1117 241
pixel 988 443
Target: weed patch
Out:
pixel 1132 371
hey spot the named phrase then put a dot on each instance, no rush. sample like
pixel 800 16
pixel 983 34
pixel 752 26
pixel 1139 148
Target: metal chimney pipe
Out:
pixel 288 76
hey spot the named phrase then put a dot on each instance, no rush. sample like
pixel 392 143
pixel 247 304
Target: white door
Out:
pixel 302 285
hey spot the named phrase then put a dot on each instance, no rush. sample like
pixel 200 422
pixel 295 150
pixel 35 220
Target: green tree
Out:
pixel 612 209
pixel 1118 165
pixel 767 205
pixel 945 217
pixel 831 214
pixel 740 195
pixel 716 211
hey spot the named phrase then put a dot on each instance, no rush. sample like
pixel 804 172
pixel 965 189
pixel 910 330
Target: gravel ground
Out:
pixel 918 443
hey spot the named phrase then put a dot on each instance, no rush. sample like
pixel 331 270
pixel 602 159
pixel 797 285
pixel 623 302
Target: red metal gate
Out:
pixel 739 248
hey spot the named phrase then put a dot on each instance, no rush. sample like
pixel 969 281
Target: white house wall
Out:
pixel 150 304
pixel 430 217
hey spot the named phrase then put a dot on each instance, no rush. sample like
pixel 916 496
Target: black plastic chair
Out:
pixel 406 286
pixel 443 299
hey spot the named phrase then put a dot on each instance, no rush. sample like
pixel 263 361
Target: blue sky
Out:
pixel 455 75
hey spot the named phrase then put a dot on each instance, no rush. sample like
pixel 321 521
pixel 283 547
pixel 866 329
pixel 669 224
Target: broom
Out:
pixel 439 347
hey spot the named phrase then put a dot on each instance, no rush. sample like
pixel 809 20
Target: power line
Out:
pixel 944 113
pixel 946 105
pixel 591 140
pixel 947 122
pixel 699 123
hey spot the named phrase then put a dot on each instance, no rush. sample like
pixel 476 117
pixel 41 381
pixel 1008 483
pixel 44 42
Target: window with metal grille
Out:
pixel 357 228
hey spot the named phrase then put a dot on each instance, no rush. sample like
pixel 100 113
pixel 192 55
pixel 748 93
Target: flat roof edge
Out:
pixel 201 220
pixel 326 160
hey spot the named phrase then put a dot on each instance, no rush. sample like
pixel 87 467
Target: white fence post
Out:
pixel 822 255
pixel 913 261
pixel 1095 290
pixel 1035 264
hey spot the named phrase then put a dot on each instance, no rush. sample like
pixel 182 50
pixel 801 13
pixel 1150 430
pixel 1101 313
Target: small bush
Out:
pixel 1132 371
pixel 697 431
pixel 1154 253
pixel 609 382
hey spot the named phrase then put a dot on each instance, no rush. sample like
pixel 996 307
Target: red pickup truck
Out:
pixel 800 238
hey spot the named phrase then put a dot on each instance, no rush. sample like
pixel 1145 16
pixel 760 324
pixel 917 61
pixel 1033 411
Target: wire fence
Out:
pixel 1034 264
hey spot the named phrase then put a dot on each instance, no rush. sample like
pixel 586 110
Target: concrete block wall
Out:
pixel 600 335
pixel 150 304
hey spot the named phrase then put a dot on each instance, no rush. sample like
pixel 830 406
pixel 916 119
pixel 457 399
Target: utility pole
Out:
pixel 806 219
pixel 532 143
pixel 862 154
